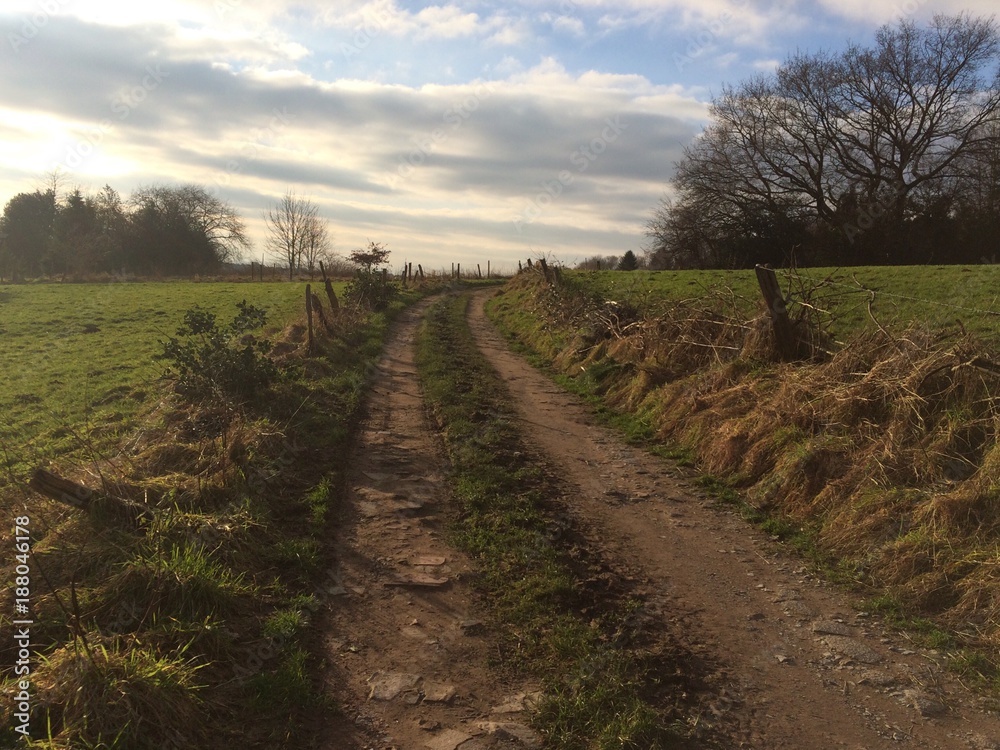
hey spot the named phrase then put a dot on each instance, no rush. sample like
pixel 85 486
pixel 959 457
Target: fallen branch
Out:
pixel 84 498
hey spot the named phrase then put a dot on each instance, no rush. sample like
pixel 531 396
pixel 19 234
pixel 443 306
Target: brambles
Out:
pixel 213 363
pixel 370 287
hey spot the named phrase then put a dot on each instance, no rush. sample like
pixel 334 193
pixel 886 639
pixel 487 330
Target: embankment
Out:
pixel 879 460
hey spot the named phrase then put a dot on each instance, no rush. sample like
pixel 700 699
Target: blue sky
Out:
pixel 454 132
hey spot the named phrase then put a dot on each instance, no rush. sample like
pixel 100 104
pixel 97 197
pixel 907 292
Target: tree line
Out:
pixel 886 154
pixel 158 230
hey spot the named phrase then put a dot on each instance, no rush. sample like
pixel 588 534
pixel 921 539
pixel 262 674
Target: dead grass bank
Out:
pixel 883 453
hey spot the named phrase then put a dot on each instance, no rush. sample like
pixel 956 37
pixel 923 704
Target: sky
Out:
pixel 462 132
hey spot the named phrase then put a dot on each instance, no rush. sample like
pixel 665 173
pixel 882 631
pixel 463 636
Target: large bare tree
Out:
pixel 296 233
pixel 857 144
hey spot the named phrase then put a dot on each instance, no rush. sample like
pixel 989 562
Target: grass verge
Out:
pixel 194 631
pixel 602 679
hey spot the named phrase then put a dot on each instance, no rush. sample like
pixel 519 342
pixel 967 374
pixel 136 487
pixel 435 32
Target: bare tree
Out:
pixel 858 144
pixel 292 226
pixel 317 245
pixel 206 215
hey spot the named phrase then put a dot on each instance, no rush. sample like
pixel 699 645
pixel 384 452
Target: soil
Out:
pixel 785 660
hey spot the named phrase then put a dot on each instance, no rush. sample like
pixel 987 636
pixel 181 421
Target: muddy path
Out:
pixel 795 665
pixel 405 658
pixel 800 665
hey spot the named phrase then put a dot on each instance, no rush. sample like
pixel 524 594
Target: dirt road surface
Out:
pixel 796 664
pixel 406 658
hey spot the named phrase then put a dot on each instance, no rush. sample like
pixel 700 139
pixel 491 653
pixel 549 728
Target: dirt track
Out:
pixel 796 665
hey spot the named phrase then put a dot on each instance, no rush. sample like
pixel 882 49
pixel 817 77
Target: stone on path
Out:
pixel 927 706
pixel 830 627
pixel 852 649
pixel 387 686
pixel 436 692
pixel 508 730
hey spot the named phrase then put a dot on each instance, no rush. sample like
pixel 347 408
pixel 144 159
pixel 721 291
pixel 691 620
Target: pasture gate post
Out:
pixel 420 268
pixel 309 318
pixel 479 271
pixel 775 301
pixel 330 294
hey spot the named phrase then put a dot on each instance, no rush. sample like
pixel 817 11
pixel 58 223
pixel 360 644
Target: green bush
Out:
pixel 209 362
pixel 371 289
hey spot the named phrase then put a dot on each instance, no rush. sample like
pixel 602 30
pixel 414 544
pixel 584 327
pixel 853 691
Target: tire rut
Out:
pixel 405 658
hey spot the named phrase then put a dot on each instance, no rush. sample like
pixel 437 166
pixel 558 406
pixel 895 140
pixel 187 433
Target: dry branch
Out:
pixel 79 496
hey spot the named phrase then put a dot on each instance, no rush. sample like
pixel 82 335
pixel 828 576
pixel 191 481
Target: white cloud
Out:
pixel 918 10
pixel 431 169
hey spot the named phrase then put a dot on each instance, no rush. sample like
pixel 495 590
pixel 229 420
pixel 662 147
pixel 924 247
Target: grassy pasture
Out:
pixel 78 358
pixel 935 296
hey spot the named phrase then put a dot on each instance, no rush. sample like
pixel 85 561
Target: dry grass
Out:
pixel 886 448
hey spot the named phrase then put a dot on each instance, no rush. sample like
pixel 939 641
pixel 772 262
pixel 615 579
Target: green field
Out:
pixel 934 296
pixel 189 627
pixel 79 358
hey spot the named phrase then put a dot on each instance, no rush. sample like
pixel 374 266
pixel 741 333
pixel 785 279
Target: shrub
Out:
pixel 209 362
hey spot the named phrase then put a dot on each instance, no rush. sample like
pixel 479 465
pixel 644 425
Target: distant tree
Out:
pixel 180 231
pixel 206 215
pixel 628 262
pixel 293 227
pixel 27 227
pixel 76 234
pixel 371 257
pixel 599 263
pixel 112 221
pixel 316 245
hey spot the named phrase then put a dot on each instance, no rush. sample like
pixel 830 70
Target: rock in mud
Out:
pixel 853 649
pixel 387 686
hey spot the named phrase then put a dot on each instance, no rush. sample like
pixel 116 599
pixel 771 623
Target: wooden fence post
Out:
pixel 487 269
pixel 783 334
pixel 309 318
pixel 317 307
pixel 330 294
pixel 420 268
pixel 479 271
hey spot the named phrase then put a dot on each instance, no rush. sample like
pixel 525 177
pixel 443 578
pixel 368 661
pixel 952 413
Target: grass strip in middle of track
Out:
pixel 602 688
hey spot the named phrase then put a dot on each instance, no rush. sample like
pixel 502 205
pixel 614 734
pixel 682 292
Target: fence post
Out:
pixel 309 317
pixel 783 334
